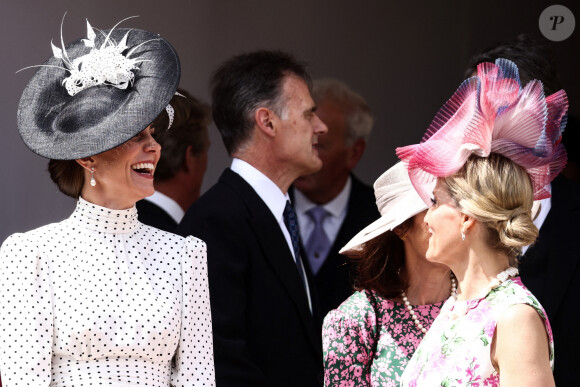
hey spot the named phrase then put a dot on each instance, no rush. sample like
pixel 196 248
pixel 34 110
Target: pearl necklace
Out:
pixel 458 309
pixel 412 312
pixel 498 280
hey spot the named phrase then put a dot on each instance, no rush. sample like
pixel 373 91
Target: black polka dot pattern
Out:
pixel 100 299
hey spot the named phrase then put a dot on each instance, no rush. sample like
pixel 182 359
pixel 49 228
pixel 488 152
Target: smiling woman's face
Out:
pixel 444 226
pixel 124 174
pixel 417 236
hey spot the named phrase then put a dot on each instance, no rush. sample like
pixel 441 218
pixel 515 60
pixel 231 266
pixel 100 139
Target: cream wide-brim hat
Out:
pixel 396 200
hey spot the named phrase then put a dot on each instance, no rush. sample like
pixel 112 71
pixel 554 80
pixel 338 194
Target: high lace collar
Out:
pixel 104 219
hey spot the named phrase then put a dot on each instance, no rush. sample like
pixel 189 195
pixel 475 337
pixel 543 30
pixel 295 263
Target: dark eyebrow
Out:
pixel 311 110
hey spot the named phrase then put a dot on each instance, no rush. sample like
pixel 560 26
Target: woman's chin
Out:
pixel 138 193
pixel 146 192
pixel 431 256
pixel 143 187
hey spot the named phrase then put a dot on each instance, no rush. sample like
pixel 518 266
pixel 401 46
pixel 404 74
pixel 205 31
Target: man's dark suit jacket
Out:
pixel 264 332
pixel 333 282
pixel 551 270
pixel 153 215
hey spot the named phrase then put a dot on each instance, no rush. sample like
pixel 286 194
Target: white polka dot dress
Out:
pixel 101 299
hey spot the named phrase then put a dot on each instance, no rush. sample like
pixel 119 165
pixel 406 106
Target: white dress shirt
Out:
pixel 272 196
pixel 336 208
pixel 168 205
pixel 268 191
pixel 546 204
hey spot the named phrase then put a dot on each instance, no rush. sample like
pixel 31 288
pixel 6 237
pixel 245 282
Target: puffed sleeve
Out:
pixel 347 340
pixel 193 363
pixel 26 314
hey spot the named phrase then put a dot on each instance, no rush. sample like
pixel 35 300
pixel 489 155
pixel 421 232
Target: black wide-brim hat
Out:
pixel 59 126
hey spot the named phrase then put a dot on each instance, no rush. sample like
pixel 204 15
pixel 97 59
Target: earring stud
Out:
pixel 93 181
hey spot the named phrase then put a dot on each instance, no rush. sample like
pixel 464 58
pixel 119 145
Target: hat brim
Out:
pixel 58 126
pixel 409 206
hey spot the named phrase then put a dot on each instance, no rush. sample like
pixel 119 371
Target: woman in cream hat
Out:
pixel 99 298
pixel 370 337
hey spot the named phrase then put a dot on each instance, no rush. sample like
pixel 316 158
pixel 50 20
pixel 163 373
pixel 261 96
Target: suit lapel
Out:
pixel 274 248
pixel 353 223
pixel 563 251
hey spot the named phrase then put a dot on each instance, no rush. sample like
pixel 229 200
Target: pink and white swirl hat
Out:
pixel 492 113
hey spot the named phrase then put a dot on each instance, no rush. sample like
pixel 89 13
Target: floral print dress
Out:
pixel 351 357
pixel 456 350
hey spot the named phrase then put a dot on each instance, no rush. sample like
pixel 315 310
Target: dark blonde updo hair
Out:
pixel 497 193
pixel 69 176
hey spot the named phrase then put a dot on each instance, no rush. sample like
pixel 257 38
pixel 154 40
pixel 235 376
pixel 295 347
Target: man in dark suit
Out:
pixel 344 203
pixel 180 170
pixel 262 311
pixel 550 268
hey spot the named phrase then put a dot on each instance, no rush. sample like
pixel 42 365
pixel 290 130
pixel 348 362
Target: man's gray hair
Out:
pixel 359 121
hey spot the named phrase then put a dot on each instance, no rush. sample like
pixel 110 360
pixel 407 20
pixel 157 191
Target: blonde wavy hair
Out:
pixel 497 193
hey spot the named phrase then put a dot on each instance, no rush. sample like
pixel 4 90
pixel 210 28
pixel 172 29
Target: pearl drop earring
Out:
pixel 93 181
pixel 462 236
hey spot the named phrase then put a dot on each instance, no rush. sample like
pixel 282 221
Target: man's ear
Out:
pixel 188 159
pixel 356 151
pixel 265 118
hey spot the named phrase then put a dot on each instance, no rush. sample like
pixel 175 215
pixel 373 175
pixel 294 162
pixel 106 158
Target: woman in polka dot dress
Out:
pixel 99 298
